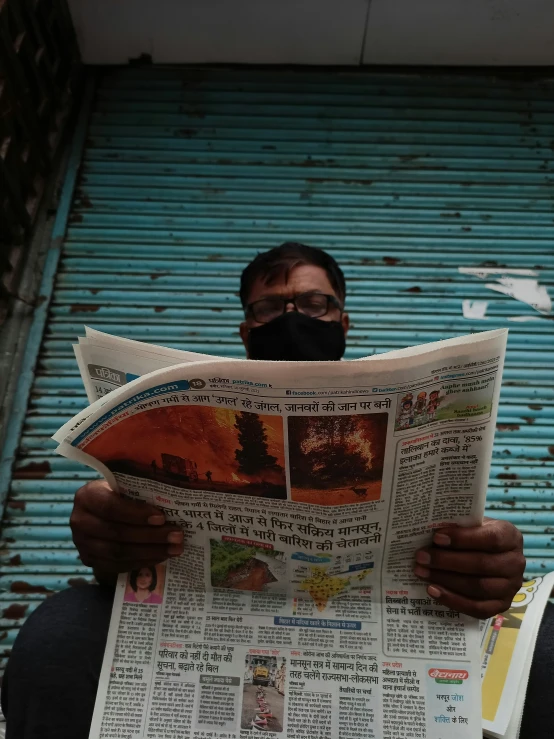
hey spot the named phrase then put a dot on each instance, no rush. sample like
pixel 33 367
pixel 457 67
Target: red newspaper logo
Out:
pixel 448 674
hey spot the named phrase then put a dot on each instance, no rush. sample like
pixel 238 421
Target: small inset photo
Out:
pixel 337 460
pixel 460 400
pixel 418 411
pixel 247 565
pixel 263 699
pixel 146 585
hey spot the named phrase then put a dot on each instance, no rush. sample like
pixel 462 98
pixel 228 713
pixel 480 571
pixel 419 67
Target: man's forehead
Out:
pixel 300 279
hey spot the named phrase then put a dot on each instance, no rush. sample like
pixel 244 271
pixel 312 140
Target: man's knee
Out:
pixel 61 643
pixel 67 621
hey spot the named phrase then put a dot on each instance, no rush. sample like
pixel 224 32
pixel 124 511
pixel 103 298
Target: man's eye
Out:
pixel 271 305
pixel 268 307
pixel 314 302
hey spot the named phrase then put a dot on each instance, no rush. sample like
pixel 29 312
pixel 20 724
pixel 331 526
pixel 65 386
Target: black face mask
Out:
pixel 295 337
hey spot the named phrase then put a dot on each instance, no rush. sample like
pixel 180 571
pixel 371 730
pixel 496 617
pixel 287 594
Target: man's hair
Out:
pixel 135 573
pixel 278 262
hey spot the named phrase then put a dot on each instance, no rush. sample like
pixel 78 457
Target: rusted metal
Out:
pixel 15 611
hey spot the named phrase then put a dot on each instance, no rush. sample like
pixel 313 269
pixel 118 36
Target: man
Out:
pixel 293 297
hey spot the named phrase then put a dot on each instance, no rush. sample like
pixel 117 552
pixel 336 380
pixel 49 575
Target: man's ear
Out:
pixel 243 330
pixel 345 320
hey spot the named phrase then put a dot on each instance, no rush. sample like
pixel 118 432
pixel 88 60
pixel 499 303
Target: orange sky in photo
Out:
pixel 203 434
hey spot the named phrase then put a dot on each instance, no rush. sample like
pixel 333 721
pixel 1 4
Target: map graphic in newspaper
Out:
pixel 322 586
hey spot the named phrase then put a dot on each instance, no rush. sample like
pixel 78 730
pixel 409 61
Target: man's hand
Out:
pixel 114 534
pixel 474 570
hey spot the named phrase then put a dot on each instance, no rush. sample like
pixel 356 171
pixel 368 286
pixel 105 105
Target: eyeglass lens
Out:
pixel 314 305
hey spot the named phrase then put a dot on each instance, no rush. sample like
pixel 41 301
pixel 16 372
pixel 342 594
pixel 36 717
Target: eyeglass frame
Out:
pixel 332 300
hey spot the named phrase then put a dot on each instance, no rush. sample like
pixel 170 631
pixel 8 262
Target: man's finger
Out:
pixel 85 525
pixel 476 608
pixel 476 588
pixel 492 536
pixel 507 564
pixel 99 499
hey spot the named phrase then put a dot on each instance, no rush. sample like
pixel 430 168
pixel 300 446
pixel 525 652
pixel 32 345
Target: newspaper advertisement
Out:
pixel 507 646
pixel 303 490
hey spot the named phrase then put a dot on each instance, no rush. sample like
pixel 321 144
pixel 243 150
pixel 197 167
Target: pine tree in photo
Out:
pixel 253 456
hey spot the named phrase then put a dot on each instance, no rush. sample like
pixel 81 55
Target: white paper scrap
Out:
pixel 526 291
pixel 484 272
pixel 525 319
pixel 475 309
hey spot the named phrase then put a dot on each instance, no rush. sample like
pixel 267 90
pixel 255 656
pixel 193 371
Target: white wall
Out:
pixel 461 32
pixel 466 32
pixel 233 31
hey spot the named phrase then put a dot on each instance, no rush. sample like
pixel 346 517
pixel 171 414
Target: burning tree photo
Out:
pixel 335 460
pixel 199 448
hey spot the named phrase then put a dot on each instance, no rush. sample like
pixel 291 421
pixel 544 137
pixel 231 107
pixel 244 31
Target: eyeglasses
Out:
pixel 315 305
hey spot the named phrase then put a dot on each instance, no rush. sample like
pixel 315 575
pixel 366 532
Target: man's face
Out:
pixel 305 278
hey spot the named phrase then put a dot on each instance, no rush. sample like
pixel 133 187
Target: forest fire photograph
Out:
pixel 198 448
pixel 337 460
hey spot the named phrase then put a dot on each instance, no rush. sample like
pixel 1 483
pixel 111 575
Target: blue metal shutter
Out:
pixel 402 177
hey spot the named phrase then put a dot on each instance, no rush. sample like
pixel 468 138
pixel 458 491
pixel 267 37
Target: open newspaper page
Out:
pixel 507 645
pixel 303 490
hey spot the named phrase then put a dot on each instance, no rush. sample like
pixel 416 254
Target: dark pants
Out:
pixel 50 683
pixel 51 679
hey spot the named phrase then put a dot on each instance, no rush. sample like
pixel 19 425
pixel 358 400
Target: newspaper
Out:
pixel 303 490
pixel 507 646
pixel 108 362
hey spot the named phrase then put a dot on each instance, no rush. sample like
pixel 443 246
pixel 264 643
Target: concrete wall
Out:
pixel 233 31
pixel 466 32
pixel 461 32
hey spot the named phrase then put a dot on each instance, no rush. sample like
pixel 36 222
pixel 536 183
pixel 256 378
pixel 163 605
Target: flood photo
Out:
pixel 337 460
pixel 201 448
pixel 241 566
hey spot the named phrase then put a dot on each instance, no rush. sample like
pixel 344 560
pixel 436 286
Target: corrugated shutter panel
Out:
pixel 189 173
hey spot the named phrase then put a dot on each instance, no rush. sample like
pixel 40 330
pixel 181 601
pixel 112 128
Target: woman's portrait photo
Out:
pixel 145 585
